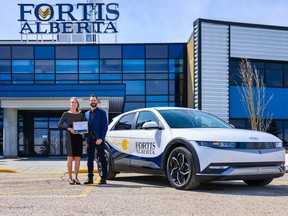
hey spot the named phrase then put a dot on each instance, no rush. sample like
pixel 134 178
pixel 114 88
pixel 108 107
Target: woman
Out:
pixel 74 142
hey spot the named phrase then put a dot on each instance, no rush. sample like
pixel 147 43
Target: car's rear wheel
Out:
pixel 181 169
pixel 260 182
pixel 111 174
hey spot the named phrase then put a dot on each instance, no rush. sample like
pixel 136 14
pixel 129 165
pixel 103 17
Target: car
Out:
pixel 190 147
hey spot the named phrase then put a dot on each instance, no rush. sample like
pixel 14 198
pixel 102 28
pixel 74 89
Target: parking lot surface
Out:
pixel 31 192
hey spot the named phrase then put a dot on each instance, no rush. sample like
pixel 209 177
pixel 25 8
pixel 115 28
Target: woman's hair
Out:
pixel 78 104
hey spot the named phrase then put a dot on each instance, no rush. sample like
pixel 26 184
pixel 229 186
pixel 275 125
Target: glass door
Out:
pixel 57 140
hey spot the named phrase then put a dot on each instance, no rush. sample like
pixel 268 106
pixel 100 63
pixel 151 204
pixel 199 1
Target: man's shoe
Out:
pixel 102 181
pixel 89 181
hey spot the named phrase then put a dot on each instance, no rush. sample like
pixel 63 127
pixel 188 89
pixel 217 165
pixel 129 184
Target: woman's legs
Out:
pixel 69 166
pixel 77 166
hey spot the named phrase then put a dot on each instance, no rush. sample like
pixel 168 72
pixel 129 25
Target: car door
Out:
pixel 118 137
pixel 145 144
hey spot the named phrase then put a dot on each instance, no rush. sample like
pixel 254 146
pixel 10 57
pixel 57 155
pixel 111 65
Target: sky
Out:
pixel 154 21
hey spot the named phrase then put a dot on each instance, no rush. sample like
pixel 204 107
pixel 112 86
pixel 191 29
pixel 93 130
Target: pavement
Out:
pixel 48 165
pixel 39 165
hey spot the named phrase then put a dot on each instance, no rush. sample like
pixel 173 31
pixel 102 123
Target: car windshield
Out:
pixel 178 118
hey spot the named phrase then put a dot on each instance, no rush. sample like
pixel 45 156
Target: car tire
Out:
pixel 260 182
pixel 111 174
pixel 180 169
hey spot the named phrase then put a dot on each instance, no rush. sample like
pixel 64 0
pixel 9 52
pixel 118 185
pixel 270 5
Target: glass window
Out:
pixel 5 77
pixel 40 136
pixel 274 78
pixel 66 66
pixel 276 128
pixel 23 76
pixel 5 52
pixel 156 87
pixel 273 66
pixel 157 76
pixel 40 122
pixel 66 77
pixel 135 98
pixel 88 52
pixel 88 66
pixel 133 66
pixel 157 98
pixel 239 123
pixel 135 87
pixel 125 123
pixel 157 66
pixel 22 66
pixel 286 78
pixel 110 76
pixel 176 51
pixel 91 77
pixel 176 65
pixel 53 122
pixel 285 139
pixel 22 52
pixel 129 76
pixel 144 117
pixel 110 66
pixel 156 104
pixel 44 77
pixel 44 66
pixel 5 66
pixel 44 52
pixel 133 51
pixel 156 51
pixel 109 52
pixel 132 106
pixel 258 65
pixel 66 52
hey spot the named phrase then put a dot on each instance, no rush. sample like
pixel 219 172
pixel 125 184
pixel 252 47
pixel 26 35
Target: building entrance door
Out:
pixel 57 142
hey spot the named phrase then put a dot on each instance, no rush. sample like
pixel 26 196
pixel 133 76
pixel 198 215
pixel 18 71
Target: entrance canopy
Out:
pixel 56 97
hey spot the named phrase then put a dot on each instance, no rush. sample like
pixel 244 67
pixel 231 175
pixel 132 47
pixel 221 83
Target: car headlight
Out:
pixel 278 145
pixel 217 144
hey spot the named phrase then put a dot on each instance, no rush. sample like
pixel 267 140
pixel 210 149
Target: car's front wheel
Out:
pixel 260 182
pixel 181 169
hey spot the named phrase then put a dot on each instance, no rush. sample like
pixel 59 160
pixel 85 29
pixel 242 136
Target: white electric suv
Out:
pixel 189 147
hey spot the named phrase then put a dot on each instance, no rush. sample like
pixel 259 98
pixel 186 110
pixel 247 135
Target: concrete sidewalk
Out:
pixel 48 165
pixel 39 165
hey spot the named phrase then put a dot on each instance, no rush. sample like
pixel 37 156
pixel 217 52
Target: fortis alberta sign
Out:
pixel 67 18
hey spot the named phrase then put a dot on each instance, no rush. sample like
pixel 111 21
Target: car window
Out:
pixel 145 117
pixel 125 123
pixel 192 119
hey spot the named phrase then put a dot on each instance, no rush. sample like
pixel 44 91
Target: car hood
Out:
pixel 224 135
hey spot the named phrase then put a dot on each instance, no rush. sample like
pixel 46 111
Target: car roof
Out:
pixel 155 108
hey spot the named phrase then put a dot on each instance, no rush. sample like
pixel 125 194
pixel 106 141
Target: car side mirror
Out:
pixel 150 125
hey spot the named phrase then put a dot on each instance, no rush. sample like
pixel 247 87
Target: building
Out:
pixel 37 80
pixel 215 51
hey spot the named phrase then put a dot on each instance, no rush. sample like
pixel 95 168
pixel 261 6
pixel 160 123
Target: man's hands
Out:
pixel 98 142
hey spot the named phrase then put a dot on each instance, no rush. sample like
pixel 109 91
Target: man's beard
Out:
pixel 93 105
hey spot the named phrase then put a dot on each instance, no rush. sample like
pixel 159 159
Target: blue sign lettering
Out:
pixel 67 18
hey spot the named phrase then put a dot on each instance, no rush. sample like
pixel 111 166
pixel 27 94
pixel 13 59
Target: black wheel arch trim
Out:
pixel 107 147
pixel 177 142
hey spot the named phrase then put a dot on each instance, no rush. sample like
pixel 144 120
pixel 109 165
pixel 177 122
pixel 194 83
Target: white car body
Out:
pixel 258 156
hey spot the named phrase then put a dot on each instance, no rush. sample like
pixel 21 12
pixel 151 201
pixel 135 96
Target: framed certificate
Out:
pixel 80 127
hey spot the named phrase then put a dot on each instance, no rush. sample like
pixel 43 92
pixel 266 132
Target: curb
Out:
pixel 8 170
pixel 81 170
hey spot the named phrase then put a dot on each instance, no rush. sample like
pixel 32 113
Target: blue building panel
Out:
pixel 109 90
pixel 277 105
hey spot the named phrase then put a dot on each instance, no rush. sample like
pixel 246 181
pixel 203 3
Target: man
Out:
pixel 97 124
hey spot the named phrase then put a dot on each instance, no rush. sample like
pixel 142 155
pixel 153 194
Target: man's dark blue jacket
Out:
pixel 97 125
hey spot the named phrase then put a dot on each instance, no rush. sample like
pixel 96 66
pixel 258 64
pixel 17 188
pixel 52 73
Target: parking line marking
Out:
pixel 282 181
pixel 87 191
